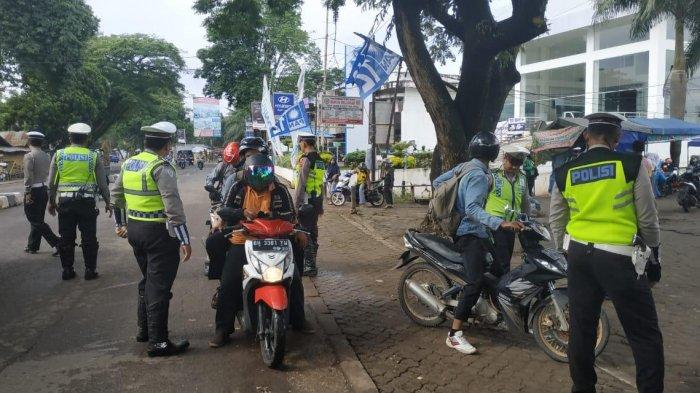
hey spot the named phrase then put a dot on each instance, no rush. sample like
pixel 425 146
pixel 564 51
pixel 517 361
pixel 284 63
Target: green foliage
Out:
pixel 424 158
pixel 400 147
pixel 284 161
pixel 355 158
pixel 326 156
pixel 398 162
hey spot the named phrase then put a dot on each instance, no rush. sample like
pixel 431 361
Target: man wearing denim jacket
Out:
pixel 473 229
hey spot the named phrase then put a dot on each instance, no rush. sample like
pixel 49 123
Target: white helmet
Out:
pixel 79 128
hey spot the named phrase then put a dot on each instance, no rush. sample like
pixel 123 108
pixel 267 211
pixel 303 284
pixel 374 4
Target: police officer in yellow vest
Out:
pixel 310 190
pixel 149 212
pixel 602 199
pixel 75 178
pixel 508 198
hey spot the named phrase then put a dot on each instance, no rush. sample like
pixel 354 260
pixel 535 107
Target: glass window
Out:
pixel 555 46
pixel 508 107
pixel 549 94
pixel 623 84
pixel 615 33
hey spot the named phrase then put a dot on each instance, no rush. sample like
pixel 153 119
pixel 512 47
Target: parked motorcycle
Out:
pixel 672 183
pixel 341 193
pixel 687 196
pixel 526 300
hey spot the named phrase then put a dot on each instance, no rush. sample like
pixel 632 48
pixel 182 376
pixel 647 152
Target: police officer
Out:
pixel 36 196
pixel 602 199
pixel 148 203
pixel 508 198
pixel 309 190
pixel 76 176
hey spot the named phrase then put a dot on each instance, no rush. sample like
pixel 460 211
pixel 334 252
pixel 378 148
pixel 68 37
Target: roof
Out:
pixel 627 125
pixel 15 138
pixel 10 150
pixel 668 127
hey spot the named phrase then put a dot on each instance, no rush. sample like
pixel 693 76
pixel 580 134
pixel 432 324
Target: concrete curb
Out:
pixel 10 199
pixel 355 373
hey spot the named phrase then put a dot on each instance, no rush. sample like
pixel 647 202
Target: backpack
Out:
pixel 442 217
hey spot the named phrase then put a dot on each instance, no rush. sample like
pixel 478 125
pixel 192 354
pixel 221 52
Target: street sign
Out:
pixel 337 144
pixel 281 102
pixel 341 110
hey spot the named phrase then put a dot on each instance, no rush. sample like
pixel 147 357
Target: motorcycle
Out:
pixel 687 196
pixel 341 193
pixel 200 164
pixel 182 162
pixel 672 183
pixel 526 300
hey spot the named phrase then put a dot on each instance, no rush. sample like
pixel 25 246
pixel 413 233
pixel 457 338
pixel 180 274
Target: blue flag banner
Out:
pixel 281 102
pixel 294 119
pixel 372 66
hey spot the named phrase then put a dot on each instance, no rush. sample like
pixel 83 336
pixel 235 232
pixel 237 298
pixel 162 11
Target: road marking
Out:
pixel 120 285
pixel 619 376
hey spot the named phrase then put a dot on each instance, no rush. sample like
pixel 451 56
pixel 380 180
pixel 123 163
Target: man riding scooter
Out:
pixel 222 170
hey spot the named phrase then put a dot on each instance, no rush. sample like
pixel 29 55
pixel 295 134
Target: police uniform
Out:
pixel 147 202
pixel 36 171
pixel 76 177
pixel 602 199
pixel 310 188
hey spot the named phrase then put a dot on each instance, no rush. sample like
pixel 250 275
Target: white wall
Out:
pixel 357 137
pixel 416 124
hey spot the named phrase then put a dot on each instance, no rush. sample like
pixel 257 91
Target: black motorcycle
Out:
pixel 526 300
pixel 374 194
pixel 687 196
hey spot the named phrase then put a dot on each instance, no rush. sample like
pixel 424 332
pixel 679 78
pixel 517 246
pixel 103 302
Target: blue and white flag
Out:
pixel 372 66
pixel 294 119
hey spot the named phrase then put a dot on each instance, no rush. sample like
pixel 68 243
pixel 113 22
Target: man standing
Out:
pixel 388 184
pixel 148 203
pixel 508 198
pixel 531 174
pixel 312 172
pixel 603 200
pixel 36 171
pixel 75 177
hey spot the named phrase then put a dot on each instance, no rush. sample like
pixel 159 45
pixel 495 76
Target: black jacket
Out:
pixel 281 205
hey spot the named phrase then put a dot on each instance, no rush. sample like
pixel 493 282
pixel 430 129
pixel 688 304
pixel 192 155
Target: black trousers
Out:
pixel 310 223
pixel 504 243
pixel 593 273
pixel 35 212
pixel 80 214
pixel 158 257
pixel 231 290
pixel 217 246
pixel 389 191
pixel 531 184
pixel 474 261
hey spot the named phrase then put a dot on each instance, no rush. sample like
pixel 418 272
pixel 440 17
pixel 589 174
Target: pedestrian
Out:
pixel 75 178
pixel 388 180
pixel 531 174
pixel 472 232
pixel 601 201
pixel 508 198
pixel 151 215
pixel 36 196
pixel 332 176
pixel 309 190
pixel 352 183
pixel 362 182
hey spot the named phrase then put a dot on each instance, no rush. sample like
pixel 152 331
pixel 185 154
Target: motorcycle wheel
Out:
pixel 432 281
pixel 338 198
pixel 272 342
pixel 555 342
pixel 376 200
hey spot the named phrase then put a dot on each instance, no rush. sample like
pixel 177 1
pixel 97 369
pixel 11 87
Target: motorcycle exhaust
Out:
pixel 426 297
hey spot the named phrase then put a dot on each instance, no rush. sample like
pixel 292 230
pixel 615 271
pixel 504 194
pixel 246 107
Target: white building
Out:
pixel 578 66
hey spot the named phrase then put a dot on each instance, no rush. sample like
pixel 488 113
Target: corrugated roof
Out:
pixel 15 138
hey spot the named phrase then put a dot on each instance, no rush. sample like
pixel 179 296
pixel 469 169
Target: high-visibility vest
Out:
pixel 76 169
pixel 317 174
pixel 505 193
pixel 601 200
pixel 143 199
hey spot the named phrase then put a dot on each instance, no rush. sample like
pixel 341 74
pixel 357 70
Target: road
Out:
pixel 77 336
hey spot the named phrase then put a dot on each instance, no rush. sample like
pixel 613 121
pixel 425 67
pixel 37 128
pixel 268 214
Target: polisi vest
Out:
pixel 599 189
pixel 317 173
pixel 505 194
pixel 75 170
pixel 143 200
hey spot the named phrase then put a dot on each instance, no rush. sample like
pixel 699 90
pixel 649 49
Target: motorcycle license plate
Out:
pixel 270 245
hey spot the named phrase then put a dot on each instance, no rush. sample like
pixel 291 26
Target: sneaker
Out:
pixel 91 274
pixel 29 251
pixel 68 273
pixel 460 343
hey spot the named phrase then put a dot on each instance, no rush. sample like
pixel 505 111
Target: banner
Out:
pixel 206 117
pixel 268 116
pixel 294 119
pixel 341 110
pixel 372 66
pixel 256 115
pixel 281 102
pixel 300 83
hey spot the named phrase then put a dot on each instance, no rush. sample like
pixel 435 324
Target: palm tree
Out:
pixel 686 14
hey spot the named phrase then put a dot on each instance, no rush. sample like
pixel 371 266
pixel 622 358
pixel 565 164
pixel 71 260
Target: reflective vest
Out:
pixel 601 200
pixel 143 200
pixel 505 194
pixel 76 169
pixel 317 174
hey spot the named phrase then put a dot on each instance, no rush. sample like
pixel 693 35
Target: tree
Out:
pixel 650 12
pixel 427 30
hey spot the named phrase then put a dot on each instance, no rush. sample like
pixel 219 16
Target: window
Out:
pixel 623 84
pixel 549 94
pixel 555 46
pixel 615 33
pixel 508 107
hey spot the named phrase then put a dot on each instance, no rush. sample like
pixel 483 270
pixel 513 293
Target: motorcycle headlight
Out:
pixel 272 274
pixel 549 265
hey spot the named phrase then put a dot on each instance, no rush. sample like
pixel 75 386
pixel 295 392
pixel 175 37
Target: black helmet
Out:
pixel 259 172
pixel 484 146
pixel 248 143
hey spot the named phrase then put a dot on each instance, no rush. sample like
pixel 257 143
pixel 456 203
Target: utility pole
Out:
pixel 325 76
pixel 393 108
pixel 373 138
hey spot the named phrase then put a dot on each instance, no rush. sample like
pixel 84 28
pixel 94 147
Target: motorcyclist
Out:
pixel 472 233
pixel 258 192
pixel 223 169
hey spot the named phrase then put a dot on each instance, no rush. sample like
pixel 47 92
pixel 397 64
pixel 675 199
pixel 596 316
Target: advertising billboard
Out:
pixel 281 102
pixel 340 110
pixel 206 117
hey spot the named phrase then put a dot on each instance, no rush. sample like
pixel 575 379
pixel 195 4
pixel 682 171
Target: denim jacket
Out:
pixel 471 198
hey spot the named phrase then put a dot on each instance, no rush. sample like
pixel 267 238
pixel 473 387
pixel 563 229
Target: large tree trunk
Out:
pixel 679 87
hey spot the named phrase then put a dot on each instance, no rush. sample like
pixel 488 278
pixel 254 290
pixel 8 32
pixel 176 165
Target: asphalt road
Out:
pixel 77 336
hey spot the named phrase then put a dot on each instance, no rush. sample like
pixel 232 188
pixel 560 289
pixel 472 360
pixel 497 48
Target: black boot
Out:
pixel 91 274
pixel 158 342
pixel 142 319
pixel 90 257
pixel 221 338
pixel 68 273
pixel 167 348
pixel 310 260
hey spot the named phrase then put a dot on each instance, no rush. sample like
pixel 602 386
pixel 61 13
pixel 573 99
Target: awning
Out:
pixel 666 129
pixel 694 142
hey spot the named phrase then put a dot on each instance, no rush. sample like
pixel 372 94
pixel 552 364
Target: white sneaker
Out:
pixel 460 343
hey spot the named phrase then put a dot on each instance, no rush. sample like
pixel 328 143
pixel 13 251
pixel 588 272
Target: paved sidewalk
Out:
pixel 359 287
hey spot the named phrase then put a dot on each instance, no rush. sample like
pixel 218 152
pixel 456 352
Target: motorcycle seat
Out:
pixel 439 245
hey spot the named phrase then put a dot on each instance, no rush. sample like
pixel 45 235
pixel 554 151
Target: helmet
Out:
pixel 231 153
pixel 259 172
pixel 251 143
pixel 484 146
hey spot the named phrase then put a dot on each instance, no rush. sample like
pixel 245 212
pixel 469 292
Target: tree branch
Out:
pixel 526 23
pixel 438 11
